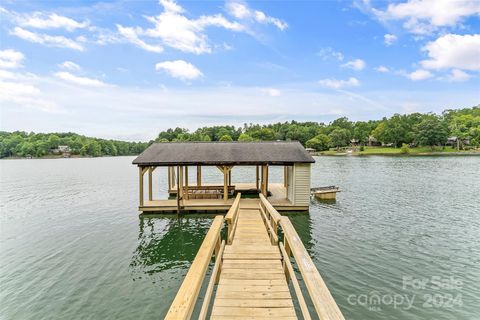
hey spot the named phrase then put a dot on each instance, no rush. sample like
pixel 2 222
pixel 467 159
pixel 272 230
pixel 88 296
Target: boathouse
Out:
pixel 180 158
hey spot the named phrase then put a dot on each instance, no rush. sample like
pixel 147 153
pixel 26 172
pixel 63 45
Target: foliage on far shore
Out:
pixel 414 129
pixel 23 144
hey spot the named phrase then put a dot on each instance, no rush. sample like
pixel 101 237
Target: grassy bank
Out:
pixel 398 151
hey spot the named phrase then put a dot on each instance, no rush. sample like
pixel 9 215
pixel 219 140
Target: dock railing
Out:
pixel 322 300
pixel 232 217
pixel 186 298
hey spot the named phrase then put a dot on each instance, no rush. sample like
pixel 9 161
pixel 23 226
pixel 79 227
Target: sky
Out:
pixel 129 69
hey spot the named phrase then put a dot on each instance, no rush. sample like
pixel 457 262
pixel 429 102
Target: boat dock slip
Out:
pixel 182 164
pixel 252 277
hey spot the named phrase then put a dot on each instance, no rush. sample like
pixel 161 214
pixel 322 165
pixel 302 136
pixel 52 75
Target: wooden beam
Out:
pixel 225 184
pixel 169 178
pixel 230 177
pixel 184 302
pixel 150 178
pixel 257 177
pixel 178 189
pixel 285 176
pixel 199 176
pixel 186 183
pixel 140 182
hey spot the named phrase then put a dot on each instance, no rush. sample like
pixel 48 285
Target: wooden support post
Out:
pixel 285 176
pixel 186 183
pixel 150 192
pixel 199 176
pixel 169 178
pixel 257 177
pixel 178 189
pixel 225 184
pixel 230 177
pixel 140 181
pixel 264 180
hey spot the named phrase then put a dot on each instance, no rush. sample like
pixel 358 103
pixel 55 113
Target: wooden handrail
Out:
pixel 270 209
pixel 271 216
pixel 321 297
pixel 296 285
pixel 213 279
pixel 184 302
pixel 232 217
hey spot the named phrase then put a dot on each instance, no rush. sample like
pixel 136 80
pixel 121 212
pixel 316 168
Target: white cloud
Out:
pixel 40 20
pixel 453 51
pixel 242 11
pixel 419 74
pixel 10 58
pixel 357 64
pixel 272 92
pixel 69 65
pixel 175 30
pixel 45 39
pixel 131 35
pixel 458 76
pixel 179 69
pixel 82 81
pixel 382 69
pixel 389 39
pixel 427 16
pixel 338 84
pixel 327 53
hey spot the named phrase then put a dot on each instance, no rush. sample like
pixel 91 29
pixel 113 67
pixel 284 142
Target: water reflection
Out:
pixel 168 242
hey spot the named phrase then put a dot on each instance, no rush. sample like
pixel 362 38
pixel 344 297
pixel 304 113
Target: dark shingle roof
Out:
pixel 224 153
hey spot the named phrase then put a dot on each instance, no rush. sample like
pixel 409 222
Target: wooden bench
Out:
pixel 207 192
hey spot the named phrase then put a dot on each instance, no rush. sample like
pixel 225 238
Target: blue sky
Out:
pixel 128 69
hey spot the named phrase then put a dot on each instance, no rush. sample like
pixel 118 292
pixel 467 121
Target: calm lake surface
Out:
pixel 401 242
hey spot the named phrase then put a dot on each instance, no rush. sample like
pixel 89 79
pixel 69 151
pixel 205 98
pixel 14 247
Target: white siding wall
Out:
pixel 301 184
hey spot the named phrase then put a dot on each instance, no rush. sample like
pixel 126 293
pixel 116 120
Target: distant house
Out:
pixel 63 150
pixel 456 141
pixel 372 142
pixel 310 150
pixel 354 142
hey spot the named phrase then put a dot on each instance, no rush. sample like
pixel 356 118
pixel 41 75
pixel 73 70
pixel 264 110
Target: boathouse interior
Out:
pixel 202 176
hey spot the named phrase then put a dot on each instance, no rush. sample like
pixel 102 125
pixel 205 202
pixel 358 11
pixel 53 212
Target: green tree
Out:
pixel 431 131
pixel 226 137
pixel 245 138
pixel 339 137
pixel 320 142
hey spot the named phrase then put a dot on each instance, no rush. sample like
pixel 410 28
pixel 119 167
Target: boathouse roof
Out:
pixel 224 153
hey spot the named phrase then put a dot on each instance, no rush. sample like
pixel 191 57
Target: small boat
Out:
pixel 325 193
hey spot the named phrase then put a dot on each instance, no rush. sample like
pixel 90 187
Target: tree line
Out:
pixel 23 144
pixel 414 129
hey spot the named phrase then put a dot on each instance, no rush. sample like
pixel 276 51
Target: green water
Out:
pixel 73 247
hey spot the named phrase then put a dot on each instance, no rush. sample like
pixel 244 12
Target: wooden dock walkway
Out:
pixel 252 270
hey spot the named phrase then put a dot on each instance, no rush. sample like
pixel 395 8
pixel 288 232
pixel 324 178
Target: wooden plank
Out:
pixel 253 288
pixel 253 276
pixel 243 256
pixel 211 283
pixel 254 303
pixel 229 269
pixel 321 297
pixel 227 294
pixel 248 318
pixel 187 295
pixel 252 282
pixel 253 312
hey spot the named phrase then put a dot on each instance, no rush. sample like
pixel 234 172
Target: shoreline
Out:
pixel 50 157
pixel 390 154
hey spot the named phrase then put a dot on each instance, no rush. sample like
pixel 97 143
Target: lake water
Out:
pixel 72 245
